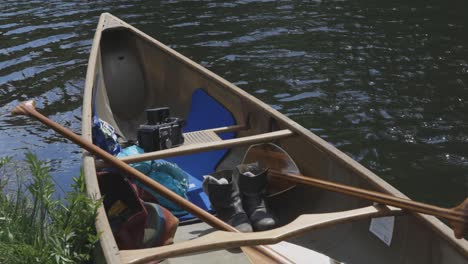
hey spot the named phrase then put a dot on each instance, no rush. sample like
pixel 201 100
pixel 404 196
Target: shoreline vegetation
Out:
pixel 36 227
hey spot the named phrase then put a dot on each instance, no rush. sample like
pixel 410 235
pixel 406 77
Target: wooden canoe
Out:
pixel 129 71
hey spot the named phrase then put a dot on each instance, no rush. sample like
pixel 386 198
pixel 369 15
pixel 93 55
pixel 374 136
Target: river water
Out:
pixel 384 81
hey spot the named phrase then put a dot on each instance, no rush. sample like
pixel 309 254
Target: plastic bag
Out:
pixel 104 136
pixel 144 166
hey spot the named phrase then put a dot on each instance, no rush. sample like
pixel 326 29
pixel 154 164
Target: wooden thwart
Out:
pixel 224 240
pixel 233 128
pixel 208 146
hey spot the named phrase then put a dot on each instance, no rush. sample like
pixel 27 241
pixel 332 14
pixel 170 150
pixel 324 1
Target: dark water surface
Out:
pixel 384 81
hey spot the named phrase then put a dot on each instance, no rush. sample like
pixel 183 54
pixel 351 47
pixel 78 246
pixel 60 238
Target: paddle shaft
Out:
pixel 28 108
pixel 459 214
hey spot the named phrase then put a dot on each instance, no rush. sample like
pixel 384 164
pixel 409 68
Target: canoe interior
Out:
pixel 134 72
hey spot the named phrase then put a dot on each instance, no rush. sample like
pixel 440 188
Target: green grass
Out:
pixel 37 228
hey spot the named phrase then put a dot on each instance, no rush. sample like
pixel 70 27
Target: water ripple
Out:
pixel 37 43
pixel 27 29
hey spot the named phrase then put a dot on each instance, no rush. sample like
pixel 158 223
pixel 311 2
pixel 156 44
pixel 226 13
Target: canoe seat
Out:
pixel 203 136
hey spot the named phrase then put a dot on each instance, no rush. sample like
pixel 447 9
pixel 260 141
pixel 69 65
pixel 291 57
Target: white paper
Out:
pixel 382 227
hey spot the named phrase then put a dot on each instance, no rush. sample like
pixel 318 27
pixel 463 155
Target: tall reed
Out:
pixel 35 227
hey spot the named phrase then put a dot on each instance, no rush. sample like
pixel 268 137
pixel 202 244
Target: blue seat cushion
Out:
pixel 205 113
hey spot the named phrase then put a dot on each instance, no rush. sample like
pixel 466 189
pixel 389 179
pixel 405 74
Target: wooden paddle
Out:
pixel 222 239
pixel 259 254
pixel 270 155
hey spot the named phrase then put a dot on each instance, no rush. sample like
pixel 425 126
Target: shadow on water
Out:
pixel 386 82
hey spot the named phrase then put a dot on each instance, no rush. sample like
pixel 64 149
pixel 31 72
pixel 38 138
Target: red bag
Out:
pixel 135 223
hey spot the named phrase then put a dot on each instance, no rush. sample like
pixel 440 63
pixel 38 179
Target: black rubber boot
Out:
pixel 225 199
pixel 252 183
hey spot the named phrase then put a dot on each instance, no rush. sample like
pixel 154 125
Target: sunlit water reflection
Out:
pixel 386 82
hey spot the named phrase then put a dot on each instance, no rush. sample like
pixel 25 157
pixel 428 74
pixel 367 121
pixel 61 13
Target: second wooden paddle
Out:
pixel 273 157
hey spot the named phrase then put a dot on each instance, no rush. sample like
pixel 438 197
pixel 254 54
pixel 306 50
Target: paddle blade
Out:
pixel 24 108
pixel 273 157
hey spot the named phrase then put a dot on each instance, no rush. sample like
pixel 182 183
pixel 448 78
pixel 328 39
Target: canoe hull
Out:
pixel 129 72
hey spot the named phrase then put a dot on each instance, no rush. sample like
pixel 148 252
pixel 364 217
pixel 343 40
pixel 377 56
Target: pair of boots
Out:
pixel 238 197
